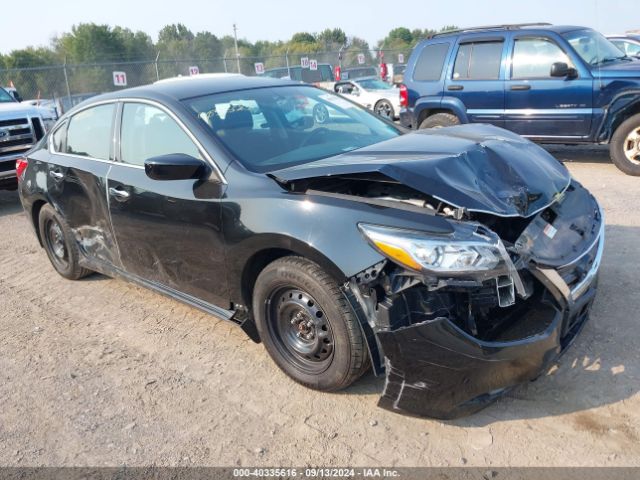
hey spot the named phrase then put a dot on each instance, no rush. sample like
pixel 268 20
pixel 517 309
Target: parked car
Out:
pixel 21 126
pixel 461 262
pixel 550 84
pixel 629 44
pixel 324 73
pixel 352 73
pixel 372 93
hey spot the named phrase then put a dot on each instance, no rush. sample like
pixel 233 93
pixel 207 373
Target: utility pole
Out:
pixel 235 37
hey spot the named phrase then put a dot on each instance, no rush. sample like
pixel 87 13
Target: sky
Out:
pixel 279 19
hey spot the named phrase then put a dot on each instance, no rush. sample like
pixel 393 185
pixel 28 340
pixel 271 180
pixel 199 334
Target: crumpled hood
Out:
pixel 479 167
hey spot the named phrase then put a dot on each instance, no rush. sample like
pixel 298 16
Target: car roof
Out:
pixel 180 88
pixel 544 27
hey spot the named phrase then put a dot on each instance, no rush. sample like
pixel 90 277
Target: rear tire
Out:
pixel 440 120
pixel 384 109
pixel 625 146
pixel 60 245
pixel 307 325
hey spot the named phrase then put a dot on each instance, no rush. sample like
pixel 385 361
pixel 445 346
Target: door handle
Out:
pixel 520 87
pixel 455 87
pixel 119 194
pixel 56 175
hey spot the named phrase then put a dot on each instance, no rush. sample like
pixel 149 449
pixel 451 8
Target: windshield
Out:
pixel 593 47
pixel 374 84
pixel 271 128
pixel 5 96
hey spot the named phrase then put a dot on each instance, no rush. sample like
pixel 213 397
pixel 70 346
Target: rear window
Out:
pixel 478 61
pixel 430 63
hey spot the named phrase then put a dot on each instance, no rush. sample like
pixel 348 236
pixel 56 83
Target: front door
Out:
pixel 168 232
pixel 538 105
pixel 475 79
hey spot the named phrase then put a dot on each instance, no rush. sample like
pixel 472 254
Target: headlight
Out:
pixel 465 251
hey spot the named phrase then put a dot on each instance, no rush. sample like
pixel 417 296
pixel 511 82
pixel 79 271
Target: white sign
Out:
pixel 259 68
pixel 401 58
pixel 194 70
pixel 361 58
pixel 304 62
pixel 120 79
pixel 313 64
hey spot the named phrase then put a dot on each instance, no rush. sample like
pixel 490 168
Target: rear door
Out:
pixel 538 105
pixel 81 155
pixel 168 232
pixel 475 77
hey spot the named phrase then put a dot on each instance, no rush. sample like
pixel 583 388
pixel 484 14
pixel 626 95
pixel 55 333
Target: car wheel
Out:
pixel 440 120
pixel 320 113
pixel 384 109
pixel 58 242
pixel 625 146
pixel 307 325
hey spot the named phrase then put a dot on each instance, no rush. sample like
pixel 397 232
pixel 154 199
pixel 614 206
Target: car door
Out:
pixel 539 105
pixel 168 232
pixel 475 78
pixel 81 154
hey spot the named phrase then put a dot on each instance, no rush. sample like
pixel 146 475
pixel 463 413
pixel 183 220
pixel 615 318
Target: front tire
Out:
pixel 625 146
pixel 440 120
pixel 60 245
pixel 307 325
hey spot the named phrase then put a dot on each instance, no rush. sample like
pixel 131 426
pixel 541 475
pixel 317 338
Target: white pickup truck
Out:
pixel 21 126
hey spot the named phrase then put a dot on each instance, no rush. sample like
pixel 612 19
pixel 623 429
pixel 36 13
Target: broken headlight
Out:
pixel 466 251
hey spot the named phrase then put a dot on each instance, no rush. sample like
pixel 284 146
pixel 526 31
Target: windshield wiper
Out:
pixel 610 59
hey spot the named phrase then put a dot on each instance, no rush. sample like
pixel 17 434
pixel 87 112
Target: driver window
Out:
pixel 533 57
pixel 148 131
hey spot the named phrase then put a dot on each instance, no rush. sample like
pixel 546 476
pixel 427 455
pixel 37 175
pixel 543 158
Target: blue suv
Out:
pixel 551 84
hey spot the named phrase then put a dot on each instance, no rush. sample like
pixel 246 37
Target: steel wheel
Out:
pixel 301 330
pixel 632 146
pixel 54 238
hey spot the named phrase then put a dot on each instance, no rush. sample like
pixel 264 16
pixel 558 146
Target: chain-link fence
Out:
pixel 69 84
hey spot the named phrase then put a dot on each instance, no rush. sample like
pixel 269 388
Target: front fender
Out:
pixel 621 107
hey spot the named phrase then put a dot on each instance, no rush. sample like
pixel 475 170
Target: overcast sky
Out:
pixel 36 21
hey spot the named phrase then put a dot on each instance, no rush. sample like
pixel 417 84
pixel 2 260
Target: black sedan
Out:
pixel 459 262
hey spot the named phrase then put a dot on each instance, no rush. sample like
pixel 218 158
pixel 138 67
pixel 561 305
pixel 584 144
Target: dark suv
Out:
pixel 552 84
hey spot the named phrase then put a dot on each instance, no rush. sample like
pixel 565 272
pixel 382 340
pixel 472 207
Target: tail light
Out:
pixel 404 96
pixel 21 166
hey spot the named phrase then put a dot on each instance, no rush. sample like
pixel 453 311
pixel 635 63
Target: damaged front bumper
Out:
pixel 436 367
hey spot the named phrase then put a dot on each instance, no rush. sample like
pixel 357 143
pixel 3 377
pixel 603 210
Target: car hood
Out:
pixel 621 69
pixel 9 109
pixel 479 167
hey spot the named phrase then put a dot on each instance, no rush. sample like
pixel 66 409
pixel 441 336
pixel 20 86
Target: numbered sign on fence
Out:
pixel 313 64
pixel 120 79
pixel 259 68
pixel 304 62
pixel 361 58
pixel 194 70
pixel 401 58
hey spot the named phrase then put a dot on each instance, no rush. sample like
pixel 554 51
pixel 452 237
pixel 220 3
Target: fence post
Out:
pixel 157 72
pixel 286 57
pixel 224 60
pixel 66 80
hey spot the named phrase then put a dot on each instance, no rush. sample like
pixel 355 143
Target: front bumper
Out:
pixel 438 370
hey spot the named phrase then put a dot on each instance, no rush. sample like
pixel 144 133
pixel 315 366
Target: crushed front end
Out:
pixel 451 341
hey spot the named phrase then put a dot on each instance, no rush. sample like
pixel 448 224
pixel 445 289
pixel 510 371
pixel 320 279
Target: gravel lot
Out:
pixel 101 372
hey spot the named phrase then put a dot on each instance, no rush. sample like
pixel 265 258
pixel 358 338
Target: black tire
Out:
pixel 440 120
pixel 621 143
pixel 292 292
pixel 384 109
pixel 60 245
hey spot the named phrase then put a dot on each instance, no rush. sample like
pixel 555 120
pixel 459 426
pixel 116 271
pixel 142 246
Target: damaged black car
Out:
pixel 457 262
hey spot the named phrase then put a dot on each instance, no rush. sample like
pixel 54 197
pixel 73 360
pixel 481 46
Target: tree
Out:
pixel 303 37
pixel 175 42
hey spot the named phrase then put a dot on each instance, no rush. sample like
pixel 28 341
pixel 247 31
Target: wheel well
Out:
pixel 255 265
pixel 35 217
pixel 633 110
pixel 428 112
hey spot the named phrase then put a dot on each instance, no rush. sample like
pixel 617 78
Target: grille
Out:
pixel 18 135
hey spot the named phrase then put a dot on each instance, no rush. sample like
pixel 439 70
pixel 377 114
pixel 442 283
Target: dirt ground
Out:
pixel 101 372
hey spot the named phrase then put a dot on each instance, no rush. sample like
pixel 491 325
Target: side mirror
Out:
pixel 174 166
pixel 561 69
